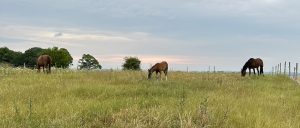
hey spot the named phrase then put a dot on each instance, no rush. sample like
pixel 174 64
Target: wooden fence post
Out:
pixel 294 74
pixel 289 68
pixel 277 69
pixel 280 68
pixel 214 69
pixel 284 68
pixel 296 71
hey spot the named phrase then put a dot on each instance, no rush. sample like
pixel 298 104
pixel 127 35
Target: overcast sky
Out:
pixel 186 33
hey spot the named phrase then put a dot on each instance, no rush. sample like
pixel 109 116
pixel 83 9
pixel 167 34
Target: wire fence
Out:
pixel 286 68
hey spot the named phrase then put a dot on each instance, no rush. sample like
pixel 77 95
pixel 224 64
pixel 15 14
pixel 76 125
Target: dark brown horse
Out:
pixel 159 68
pixel 44 61
pixel 253 64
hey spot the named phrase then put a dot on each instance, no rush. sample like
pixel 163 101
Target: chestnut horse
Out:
pixel 44 61
pixel 159 68
pixel 253 64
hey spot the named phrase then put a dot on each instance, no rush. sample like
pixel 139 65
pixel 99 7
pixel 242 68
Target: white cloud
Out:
pixel 193 32
pixel 67 36
pixel 110 47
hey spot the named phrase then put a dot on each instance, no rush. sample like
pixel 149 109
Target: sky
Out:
pixel 188 34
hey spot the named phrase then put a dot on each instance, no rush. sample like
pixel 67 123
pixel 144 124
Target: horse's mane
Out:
pixel 154 66
pixel 247 64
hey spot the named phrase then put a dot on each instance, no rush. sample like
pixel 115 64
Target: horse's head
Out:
pixel 243 72
pixel 149 74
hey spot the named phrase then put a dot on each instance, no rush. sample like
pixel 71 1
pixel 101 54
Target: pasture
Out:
pixel 127 99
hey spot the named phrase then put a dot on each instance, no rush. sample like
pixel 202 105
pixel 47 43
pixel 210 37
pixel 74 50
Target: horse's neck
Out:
pixel 246 66
pixel 153 68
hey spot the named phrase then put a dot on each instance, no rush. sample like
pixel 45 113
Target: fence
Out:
pixel 287 69
pixel 210 69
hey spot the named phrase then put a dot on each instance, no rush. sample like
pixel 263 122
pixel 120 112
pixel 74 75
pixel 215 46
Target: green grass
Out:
pixel 126 99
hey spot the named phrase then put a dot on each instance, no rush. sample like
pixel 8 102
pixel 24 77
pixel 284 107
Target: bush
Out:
pixel 131 63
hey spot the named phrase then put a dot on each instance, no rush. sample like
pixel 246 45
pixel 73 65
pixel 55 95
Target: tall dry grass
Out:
pixel 127 99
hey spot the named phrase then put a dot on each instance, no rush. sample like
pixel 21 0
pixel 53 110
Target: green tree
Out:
pixel 5 55
pixel 30 56
pixel 18 59
pixel 88 62
pixel 10 57
pixel 61 58
pixel 131 63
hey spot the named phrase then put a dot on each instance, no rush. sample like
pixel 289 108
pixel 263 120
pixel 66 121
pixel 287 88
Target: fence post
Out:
pixel 214 69
pixel 187 68
pixel 296 71
pixel 280 68
pixel 277 69
pixel 289 68
pixel 285 68
pixel 294 74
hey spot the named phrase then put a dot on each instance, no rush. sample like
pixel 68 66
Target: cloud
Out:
pixel 68 36
pixel 193 32
pixel 81 41
pixel 110 47
pixel 59 34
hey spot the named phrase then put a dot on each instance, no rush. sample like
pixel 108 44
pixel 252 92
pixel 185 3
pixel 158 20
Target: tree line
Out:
pixel 61 58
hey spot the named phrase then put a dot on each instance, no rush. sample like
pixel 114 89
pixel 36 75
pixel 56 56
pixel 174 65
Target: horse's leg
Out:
pixel 39 69
pixel 160 72
pixel 254 71
pixel 156 75
pixel 258 71
pixel 43 68
pixel 249 71
pixel 48 68
pixel 261 70
pixel 166 74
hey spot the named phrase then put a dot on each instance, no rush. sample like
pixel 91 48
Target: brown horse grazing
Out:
pixel 45 62
pixel 253 64
pixel 159 68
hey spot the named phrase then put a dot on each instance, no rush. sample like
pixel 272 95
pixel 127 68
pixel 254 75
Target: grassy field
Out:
pixel 126 99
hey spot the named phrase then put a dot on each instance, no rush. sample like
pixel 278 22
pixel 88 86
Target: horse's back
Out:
pixel 260 62
pixel 254 63
pixel 44 60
